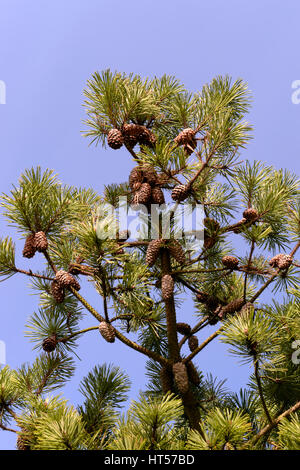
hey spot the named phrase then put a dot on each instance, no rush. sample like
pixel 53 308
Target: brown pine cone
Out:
pixel 40 241
pixel 136 176
pixel 250 214
pixel 166 379
pixel 66 279
pixel 143 195
pixel 107 331
pixel 202 297
pixel 115 139
pixel 150 175
pixel 193 374
pixel 209 242
pixel 153 251
pixel 209 300
pixel 281 261
pixel 130 134
pixel 193 343
pixel 22 443
pixel 163 179
pixel 230 308
pixel 29 246
pixel 176 251
pixel 183 328
pixel 214 318
pixel 57 291
pixel 185 137
pixel 167 286
pixel 146 137
pixel 190 147
pixel 157 196
pixel 230 262
pixel 181 377
pixel 49 344
pixel 180 193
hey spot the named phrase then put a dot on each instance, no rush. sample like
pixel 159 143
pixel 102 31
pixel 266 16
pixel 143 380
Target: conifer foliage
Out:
pixel 243 281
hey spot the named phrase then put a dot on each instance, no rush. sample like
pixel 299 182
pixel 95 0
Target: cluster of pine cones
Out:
pixel 146 187
pixel 130 135
pixel 173 245
pixel 218 309
pixel 35 242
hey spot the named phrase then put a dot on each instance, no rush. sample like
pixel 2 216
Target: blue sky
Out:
pixel 49 49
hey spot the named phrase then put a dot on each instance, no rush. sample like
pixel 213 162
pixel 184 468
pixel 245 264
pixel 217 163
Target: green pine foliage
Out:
pixel 243 281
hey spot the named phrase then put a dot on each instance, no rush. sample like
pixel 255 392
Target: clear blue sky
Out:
pixel 49 49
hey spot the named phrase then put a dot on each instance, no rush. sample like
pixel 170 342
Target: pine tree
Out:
pixel 186 146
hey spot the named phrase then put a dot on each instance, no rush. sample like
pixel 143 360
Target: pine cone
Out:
pixel 157 196
pixel 209 242
pixel 285 261
pixel 143 195
pixel 190 147
pixel 230 308
pixel 209 300
pixel 150 175
pixel 40 241
pixel 115 139
pixel 214 318
pixel 29 246
pixel 176 251
pixel 185 137
pixel 107 331
pixel 22 443
pixel 166 379
pixel 181 377
pixel 66 279
pixel 163 179
pixel 136 176
pixel 192 372
pixel 57 291
pixel 153 251
pixel 250 214
pixel 193 343
pixel 130 134
pixel 281 261
pixel 146 137
pixel 230 262
pixel 167 286
pixel 49 344
pixel 180 192
pixel 183 328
